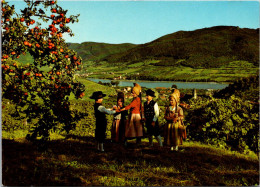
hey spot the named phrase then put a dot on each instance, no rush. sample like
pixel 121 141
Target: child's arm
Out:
pixel 104 110
pixel 133 104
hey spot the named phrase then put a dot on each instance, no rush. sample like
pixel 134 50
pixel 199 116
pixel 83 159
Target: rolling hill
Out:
pixel 89 51
pixel 206 48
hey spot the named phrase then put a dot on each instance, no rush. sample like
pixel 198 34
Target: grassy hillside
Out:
pixel 92 87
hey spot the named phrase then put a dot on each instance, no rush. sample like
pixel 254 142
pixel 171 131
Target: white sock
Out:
pixel 176 148
pixel 171 148
pixel 102 147
pixel 159 139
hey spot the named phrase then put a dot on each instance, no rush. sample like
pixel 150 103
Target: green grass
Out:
pixel 92 87
pixel 74 161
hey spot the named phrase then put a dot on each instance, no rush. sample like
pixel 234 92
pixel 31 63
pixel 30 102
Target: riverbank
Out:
pixel 113 78
pixel 148 78
pixel 166 84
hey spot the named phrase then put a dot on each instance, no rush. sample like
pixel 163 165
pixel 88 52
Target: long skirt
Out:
pixel 134 127
pixel 118 130
pixel 173 135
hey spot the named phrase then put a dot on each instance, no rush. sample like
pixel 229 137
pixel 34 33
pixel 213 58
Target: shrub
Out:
pixel 231 123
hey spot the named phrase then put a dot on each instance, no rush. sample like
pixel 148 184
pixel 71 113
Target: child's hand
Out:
pixel 153 123
pixel 114 107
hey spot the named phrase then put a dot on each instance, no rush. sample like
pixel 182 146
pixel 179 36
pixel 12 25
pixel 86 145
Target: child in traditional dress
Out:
pixel 151 114
pixel 134 127
pixel 101 121
pixel 118 126
pixel 174 131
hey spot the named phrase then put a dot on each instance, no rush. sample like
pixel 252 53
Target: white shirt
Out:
pixel 104 110
pixel 157 112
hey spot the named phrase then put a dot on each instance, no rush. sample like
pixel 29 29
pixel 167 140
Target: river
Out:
pixel 166 84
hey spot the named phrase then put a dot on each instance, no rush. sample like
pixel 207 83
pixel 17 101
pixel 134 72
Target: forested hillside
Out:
pixel 96 51
pixel 204 48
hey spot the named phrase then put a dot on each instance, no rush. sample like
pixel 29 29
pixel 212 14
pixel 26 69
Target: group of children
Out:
pixel 131 125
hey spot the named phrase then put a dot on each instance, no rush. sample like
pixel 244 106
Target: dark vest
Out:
pixel 100 117
pixel 149 110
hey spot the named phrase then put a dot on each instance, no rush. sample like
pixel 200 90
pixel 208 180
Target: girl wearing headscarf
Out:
pixel 134 127
pixel 174 131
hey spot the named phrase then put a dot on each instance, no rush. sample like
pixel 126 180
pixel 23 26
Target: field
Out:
pixel 147 70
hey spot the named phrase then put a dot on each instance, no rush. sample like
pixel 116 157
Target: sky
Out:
pixel 140 22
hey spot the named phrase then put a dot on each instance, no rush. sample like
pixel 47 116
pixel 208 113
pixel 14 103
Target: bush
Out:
pixel 230 123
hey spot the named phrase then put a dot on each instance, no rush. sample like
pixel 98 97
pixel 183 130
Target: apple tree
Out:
pixel 40 89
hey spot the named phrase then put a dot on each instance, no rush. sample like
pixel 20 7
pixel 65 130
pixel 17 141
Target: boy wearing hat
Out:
pixel 101 121
pixel 151 114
